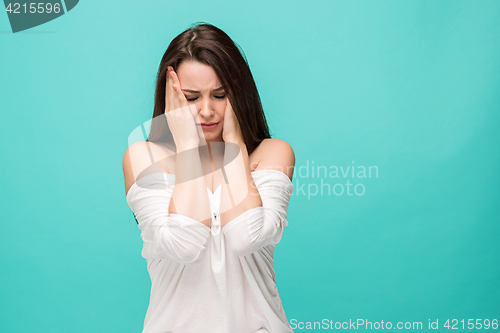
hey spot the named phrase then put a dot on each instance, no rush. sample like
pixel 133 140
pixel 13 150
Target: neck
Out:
pixel 212 155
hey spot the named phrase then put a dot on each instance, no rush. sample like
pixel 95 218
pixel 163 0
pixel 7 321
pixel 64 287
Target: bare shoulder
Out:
pixel 278 155
pixel 142 155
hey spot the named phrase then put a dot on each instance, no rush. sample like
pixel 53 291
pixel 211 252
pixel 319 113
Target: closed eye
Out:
pixel 195 98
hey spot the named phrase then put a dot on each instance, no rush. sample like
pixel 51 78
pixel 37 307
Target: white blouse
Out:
pixel 208 279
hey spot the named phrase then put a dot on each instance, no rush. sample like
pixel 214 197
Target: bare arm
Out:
pixel 189 197
pixel 241 193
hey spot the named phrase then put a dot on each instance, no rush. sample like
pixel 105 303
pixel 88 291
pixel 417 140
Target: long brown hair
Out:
pixel 210 45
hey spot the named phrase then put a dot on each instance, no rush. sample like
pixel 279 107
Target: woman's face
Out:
pixel 202 88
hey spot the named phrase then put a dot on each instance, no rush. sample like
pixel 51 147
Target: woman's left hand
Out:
pixel 231 131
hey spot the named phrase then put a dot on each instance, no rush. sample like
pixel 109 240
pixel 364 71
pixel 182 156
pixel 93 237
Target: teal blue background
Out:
pixel 411 87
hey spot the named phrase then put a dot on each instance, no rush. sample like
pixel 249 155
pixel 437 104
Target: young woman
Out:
pixel 209 190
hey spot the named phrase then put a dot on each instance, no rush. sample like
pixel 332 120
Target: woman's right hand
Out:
pixel 182 118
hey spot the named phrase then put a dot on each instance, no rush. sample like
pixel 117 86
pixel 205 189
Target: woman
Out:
pixel 210 191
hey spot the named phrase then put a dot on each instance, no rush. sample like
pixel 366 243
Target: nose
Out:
pixel 205 110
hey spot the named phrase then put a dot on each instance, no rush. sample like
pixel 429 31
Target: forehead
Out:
pixel 197 76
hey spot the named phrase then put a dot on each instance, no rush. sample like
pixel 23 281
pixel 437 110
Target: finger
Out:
pixel 167 98
pixel 230 107
pixel 178 104
pixel 171 91
pixel 174 93
pixel 229 110
pixel 177 84
pixel 168 94
pixel 175 78
pixel 175 100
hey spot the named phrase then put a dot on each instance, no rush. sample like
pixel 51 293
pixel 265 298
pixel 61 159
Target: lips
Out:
pixel 208 125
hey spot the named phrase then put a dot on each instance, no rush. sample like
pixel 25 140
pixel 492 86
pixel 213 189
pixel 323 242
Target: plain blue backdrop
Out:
pixel 410 88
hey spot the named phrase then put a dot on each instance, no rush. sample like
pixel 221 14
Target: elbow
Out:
pixel 187 257
pixel 242 247
pixel 254 230
pixel 182 253
pixel 249 233
pixel 182 240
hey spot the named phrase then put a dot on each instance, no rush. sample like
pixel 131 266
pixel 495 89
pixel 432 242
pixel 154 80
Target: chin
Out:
pixel 213 136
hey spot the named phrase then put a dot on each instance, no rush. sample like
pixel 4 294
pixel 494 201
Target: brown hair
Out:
pixel 210 45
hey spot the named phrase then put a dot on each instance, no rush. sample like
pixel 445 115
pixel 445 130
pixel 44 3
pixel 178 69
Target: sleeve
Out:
pixel 264 225
pixel 177 237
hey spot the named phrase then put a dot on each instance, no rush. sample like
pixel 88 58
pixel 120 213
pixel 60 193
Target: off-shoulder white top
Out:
pixel 208 279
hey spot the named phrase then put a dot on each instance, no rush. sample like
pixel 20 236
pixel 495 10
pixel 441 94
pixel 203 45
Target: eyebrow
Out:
pixel 195 92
